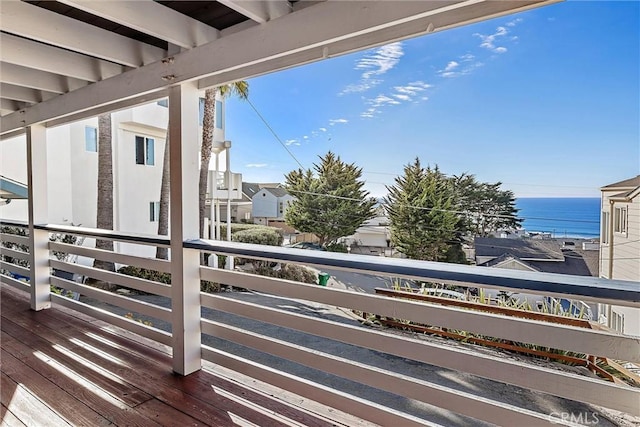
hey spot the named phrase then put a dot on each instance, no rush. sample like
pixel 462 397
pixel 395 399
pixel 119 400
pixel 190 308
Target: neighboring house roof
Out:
pixel 628 183
pixel 250 189
pixel 524 249
pixel 12 189
pixel 278 192
pixel 576 262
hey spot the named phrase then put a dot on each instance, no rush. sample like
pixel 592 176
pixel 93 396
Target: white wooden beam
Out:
pixel 24 94
pixel 316 29
pixel 41 80
pixel 259 11
pixel 39 24
pixel 151 18
pixel 9 105
pixel 30 54
pixel 185 263
pixel 38 214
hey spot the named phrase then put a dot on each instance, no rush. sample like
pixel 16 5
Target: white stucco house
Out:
pixel 138 143
pixel 620 248
pixel 270 204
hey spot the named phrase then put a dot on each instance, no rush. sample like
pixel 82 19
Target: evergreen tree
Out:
pixel 485 207
pixel 331 204
pixel 421 209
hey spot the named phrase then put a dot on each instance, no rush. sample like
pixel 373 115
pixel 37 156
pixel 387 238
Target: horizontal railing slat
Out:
pixel 14 238
pixel 140 307
pixel 547 380
pixel 122 322
pixel 148 263
pixel 564 337
pixel 117 278
pixel 14 223
pixel 333 398
pixel 98 233
pixel 455 400
pixel 620 292
pixel 14 268
pixel 17 284
pixel 14 254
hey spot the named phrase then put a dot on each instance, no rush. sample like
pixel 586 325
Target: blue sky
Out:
pixel 545 101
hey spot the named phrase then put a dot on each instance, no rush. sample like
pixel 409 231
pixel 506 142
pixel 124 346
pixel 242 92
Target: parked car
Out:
pixel 444 293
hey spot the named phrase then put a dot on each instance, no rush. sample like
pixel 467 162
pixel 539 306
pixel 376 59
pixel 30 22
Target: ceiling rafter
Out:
pixel 19 51
pixel 259 11
pixel 18 93
pixel 41 80
pixel 38 24
pixel 152 18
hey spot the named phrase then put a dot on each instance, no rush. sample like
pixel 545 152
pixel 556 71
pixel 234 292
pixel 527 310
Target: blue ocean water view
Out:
pixel 562 217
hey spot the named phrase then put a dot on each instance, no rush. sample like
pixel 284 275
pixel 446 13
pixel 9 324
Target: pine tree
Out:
pixel 424 224
pixel 332 204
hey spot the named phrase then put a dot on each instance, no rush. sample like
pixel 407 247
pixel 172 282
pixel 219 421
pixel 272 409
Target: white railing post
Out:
pixel 38 214
pixel 185 263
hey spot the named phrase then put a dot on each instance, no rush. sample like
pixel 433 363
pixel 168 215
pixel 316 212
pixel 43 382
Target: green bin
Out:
pixel 323 279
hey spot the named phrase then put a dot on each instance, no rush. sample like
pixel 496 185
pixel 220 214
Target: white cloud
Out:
pixel 305 137
pixel 401 97
pixel 514 22
pixel 256 165
pixel 375 63
pixel 489 41
pixel 323 129
pixel 451 66
pixel 467 57
pixel 401 94
pixel 292 142
pixel 340 121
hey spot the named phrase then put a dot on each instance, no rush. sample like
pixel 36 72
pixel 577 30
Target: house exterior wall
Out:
pixel 265 205
pixel 625 247
pixel 72 173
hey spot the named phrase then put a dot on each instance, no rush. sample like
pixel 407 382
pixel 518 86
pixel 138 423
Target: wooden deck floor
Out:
pixel 59 367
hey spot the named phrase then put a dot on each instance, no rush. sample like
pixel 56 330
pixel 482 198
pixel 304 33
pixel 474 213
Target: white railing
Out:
pixel 529 376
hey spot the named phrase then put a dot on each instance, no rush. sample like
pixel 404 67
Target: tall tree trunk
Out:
pixel 208 128
pixel 104 216
pixel 163 216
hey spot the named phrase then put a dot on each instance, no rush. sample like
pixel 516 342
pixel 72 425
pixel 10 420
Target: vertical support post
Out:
pixel 38 214
pixel 229 264
pixel 185 263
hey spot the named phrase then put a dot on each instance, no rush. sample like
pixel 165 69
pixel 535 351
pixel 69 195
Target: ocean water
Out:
pixel 562 217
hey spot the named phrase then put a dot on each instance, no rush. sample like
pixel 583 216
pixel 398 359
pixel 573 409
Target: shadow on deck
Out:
pixel 60 367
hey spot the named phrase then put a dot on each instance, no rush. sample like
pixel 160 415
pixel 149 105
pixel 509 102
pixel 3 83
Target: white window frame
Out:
pixel 620 224
pixel 604 232
pixel 148 151
pixel 154 211
pixel 94 144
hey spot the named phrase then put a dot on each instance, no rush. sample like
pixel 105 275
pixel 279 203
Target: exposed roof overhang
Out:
pixel 67 60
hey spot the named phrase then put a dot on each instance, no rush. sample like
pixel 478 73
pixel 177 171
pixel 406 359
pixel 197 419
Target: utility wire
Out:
pixel 273 132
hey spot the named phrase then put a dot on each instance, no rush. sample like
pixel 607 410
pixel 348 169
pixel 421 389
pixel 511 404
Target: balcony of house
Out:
pixel 104 346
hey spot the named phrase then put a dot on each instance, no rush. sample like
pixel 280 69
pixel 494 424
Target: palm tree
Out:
pixel 104 215
pixel 240 89
pixel 163 215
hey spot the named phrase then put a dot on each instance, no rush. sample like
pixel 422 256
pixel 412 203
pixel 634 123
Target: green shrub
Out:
pixel 144 273
pixel 294 272
pixel 156 276
pixel 260 236
pixel 337 247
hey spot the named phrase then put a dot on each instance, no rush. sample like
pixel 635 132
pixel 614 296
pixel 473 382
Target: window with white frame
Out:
pixel 620 220
pixel 604 234
pixel 145 151
pixel 154 211
pixel 91 139
pixel 617 321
